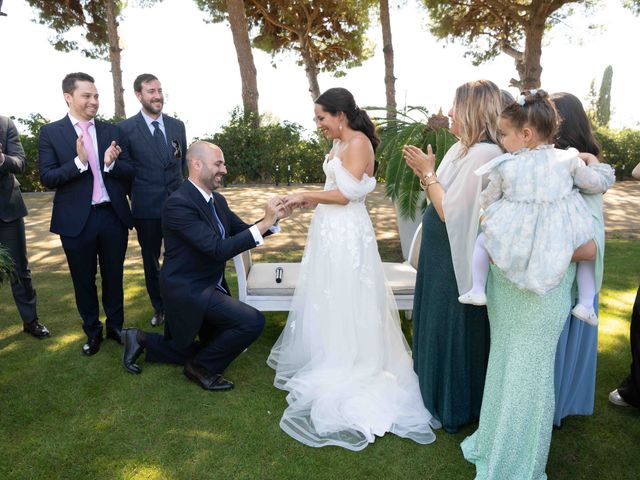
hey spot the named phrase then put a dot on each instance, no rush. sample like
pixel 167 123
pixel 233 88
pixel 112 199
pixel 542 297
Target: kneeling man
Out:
pixel 201 233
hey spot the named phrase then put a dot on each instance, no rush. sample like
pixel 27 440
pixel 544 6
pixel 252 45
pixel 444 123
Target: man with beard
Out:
pixel 201 233
pixel 155 143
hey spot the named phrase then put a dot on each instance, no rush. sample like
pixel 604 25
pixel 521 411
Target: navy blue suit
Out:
pixel 194 261
pixel 12 213
pixel 89 233
pixel 158 173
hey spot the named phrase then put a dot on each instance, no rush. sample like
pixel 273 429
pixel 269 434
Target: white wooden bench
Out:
pixel 257 281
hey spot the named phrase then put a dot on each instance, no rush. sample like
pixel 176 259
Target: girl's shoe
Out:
pixel 472 298
pixel 586 314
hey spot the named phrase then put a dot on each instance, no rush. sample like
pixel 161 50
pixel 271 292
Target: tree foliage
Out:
pixel 326 35
pixel 603 112
pixel 490 27
pixel 98 22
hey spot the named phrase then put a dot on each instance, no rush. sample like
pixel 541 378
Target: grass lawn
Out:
pixel 66 416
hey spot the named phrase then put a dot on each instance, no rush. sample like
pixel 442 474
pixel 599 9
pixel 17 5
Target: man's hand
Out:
pixel 284 210
pixel 82 152
pixel 111 153
pixel 1 155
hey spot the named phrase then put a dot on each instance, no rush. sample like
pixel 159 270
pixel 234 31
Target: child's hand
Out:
pixel 588 158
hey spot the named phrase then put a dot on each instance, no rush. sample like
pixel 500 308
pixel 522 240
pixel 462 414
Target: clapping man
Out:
pixel 81 159
pixel 12 234
pixel 155 143
pixel 201 233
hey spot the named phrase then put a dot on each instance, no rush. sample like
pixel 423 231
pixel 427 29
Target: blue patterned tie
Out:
pixel 158 136
pixel 222 234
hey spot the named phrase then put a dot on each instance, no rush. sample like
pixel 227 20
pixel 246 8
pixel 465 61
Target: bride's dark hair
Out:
pixel 337 100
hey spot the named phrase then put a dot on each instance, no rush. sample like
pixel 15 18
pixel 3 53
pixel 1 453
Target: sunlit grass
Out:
pixel 66 416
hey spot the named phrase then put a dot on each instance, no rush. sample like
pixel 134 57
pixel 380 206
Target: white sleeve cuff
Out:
pixel 257 236
pixel 107 169
pixel 82 167
pixel 275 228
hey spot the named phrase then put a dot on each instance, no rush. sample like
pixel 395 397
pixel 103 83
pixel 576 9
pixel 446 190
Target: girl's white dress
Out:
pixel 534 216
pixel 342 356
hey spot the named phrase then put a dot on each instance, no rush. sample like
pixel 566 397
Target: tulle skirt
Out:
pixel 342 355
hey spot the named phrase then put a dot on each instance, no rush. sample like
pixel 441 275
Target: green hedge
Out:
pixel 280 151
pixel 620 148
pixel 272 152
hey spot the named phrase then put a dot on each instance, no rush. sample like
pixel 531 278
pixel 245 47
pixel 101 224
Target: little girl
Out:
pixel 534 218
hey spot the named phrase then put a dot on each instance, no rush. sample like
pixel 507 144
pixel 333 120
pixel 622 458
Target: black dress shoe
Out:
pixel 157 319
pixel 114 334
pixel 36 329
pixel 92 346
pixel 214 383
pixel 132 350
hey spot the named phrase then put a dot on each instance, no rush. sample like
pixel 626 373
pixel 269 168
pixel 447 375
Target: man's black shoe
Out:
pixel 36 329
pixel 214 383
pixel 92 346
pixel 132 350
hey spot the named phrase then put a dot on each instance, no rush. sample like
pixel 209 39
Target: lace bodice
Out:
pixel 339 178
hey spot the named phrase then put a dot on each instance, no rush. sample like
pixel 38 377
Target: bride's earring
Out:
pixel 340 126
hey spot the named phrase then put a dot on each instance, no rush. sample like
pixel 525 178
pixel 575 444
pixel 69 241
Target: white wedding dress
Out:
pixel 342 356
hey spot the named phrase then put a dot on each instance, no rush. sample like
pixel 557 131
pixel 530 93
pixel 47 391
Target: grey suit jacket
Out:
pixel 12 205
pixel 158 172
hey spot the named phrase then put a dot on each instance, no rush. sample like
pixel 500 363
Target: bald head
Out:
pixel 200 150
pixel 205 161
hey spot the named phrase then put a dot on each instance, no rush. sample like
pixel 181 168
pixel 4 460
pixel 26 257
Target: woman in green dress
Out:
pixel 450 339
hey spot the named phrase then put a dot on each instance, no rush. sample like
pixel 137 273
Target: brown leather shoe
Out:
pixel 36 329
pixel 213 383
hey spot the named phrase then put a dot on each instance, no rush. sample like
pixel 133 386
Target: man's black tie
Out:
pixel 158 137
pixel 216 218
pixel 222 234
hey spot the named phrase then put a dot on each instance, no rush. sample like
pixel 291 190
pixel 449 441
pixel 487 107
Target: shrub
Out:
pixel 620 148
pixel 272 152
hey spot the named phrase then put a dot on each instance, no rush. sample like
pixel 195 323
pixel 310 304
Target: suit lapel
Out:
pixel 198 199
pixel 68 133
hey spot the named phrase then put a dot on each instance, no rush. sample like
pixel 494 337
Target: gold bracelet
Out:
pixel 425 186
pixel 432 182
pixel 423 181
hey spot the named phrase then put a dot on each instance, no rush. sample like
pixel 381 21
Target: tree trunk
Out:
pixel 531 70
pixel 248 72
pixel 311 69
pixel 387 49
pixel 114 58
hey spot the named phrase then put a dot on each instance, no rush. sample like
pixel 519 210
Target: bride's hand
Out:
pixel 421 163
pixel 294 200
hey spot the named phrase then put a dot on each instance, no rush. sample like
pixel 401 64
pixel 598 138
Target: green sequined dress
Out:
pixel 514 433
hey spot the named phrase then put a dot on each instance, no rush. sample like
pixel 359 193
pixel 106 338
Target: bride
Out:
pixel 342 356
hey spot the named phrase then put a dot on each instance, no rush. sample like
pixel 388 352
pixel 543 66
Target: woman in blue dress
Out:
pixel 575 367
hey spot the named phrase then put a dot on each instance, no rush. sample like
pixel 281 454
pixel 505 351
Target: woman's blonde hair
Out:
pixel 477 107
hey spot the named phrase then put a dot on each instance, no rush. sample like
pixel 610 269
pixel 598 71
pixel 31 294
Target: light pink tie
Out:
pixel 93 161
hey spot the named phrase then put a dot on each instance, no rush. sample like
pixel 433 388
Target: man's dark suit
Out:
pixel 158 172
pixel 12 213
pixel 194 262
pixel 88 231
